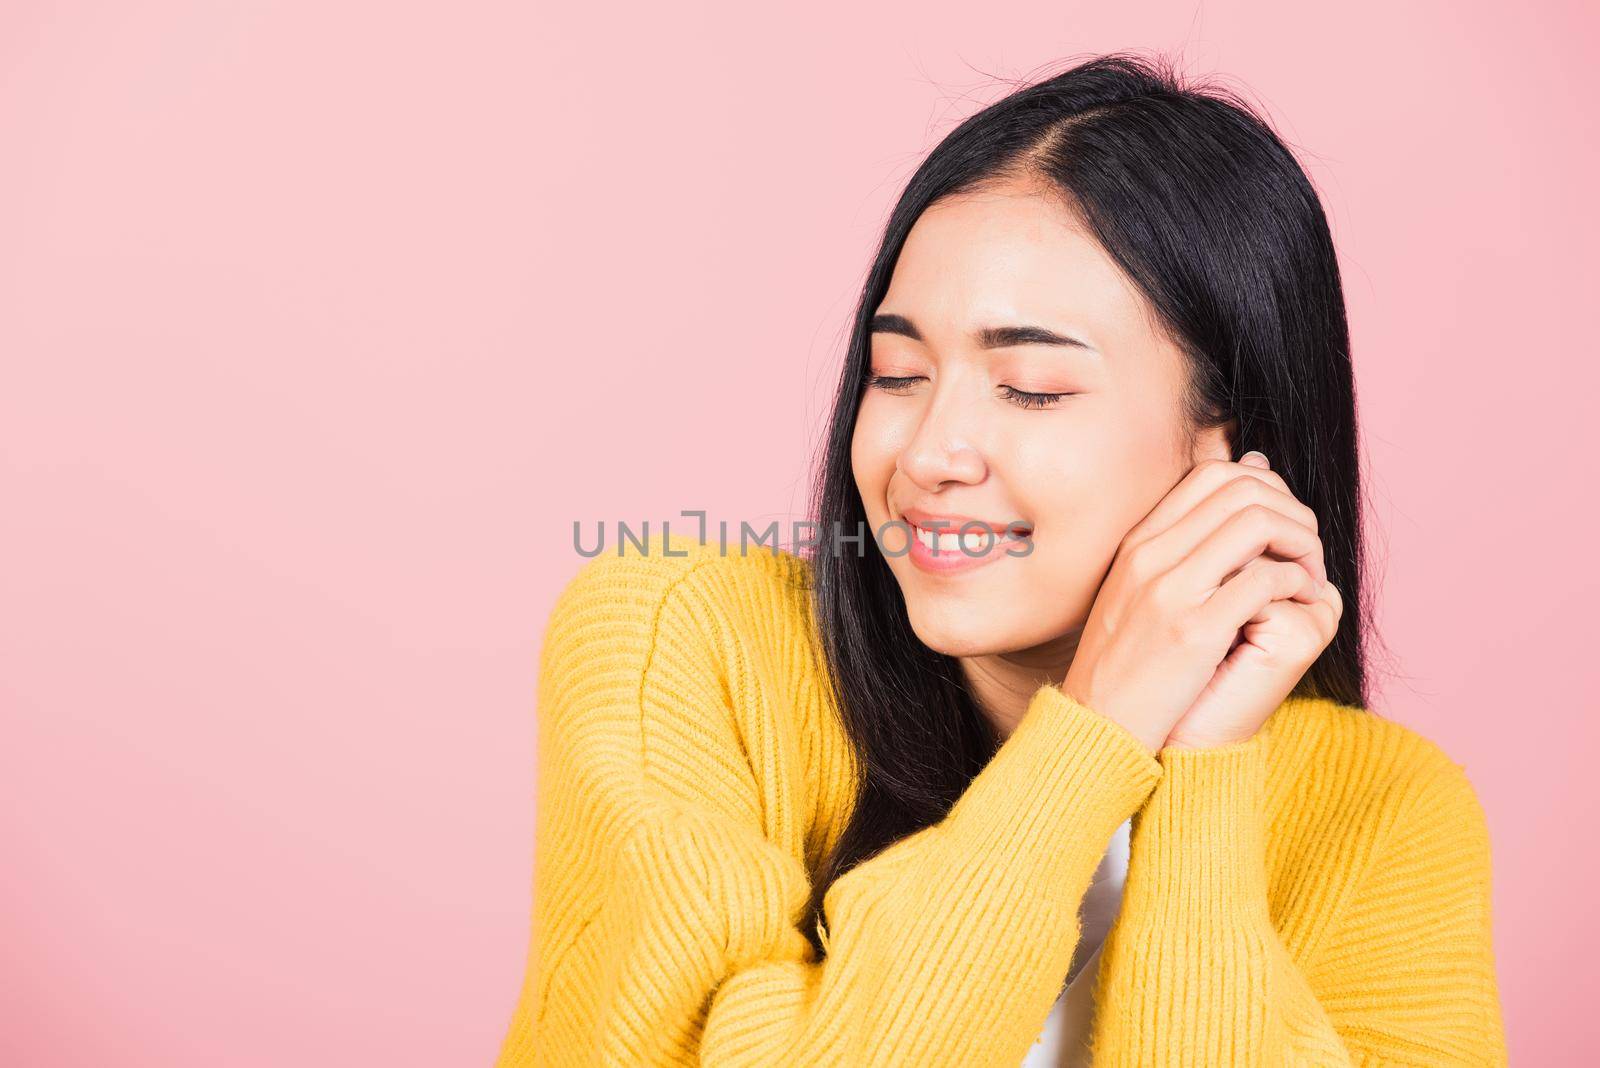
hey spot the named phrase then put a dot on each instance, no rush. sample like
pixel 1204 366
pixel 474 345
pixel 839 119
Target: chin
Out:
pixel 970 635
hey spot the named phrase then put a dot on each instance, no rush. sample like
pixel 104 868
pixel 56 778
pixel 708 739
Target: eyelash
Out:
pixel 1021 397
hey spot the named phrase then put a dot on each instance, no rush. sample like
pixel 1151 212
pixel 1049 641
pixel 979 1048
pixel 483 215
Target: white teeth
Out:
pixel 973 543
pixel 976 543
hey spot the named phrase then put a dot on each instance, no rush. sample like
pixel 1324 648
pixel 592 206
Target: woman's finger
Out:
pixel 1305 594
pixel 1179 542
pixel 1204 479
pixel 1244 535
pixel 1239 599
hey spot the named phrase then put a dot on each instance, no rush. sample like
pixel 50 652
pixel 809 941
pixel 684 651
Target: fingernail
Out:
pixel 1255 457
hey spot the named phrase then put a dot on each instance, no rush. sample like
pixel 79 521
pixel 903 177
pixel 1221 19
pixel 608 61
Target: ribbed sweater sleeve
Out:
pixel 667 924
pixel 1195 972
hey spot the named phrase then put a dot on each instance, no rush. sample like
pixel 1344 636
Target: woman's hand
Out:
pixel 1212 610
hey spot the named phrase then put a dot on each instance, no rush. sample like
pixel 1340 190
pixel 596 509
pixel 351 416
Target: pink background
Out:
pixel 321 323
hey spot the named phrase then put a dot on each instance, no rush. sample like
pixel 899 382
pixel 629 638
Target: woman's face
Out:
pixel 955 440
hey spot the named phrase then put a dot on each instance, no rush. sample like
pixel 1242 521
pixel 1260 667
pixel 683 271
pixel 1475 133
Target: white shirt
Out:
pixel 1063 1042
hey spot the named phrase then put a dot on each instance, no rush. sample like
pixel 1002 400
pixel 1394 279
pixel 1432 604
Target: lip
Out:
pixel 957 524
pixel 947 561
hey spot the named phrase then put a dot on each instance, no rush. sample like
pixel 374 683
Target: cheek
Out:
pixel 872 457
pixel 1106 458
pixel 1089 485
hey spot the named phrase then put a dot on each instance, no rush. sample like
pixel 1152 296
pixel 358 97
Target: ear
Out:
pixel 1216 442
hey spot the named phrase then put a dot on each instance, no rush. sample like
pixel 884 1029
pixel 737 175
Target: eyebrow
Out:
pixel 987 337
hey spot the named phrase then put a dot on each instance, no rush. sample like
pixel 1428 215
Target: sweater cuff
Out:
pixel 1047 803
pixel 1201 837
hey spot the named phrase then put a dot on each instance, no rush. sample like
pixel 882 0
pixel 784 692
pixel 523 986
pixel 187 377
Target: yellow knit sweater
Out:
pixel 1317 895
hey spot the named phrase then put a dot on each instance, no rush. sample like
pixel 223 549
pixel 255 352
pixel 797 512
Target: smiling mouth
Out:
pixel 952 540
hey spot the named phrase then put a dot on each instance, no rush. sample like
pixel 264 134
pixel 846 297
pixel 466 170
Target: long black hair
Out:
pixel 1207 211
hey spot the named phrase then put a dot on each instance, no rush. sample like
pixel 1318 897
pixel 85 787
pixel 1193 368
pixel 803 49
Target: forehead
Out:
pixel 1011 254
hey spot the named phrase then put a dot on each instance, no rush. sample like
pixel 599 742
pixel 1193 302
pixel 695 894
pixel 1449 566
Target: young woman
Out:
pixel 1098 780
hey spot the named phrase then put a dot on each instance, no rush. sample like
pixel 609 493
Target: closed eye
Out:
pixel 890 382
pixel 1022 397
pixel 1032 400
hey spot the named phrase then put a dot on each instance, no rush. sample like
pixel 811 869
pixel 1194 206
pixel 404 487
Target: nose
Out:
pixel 943 450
